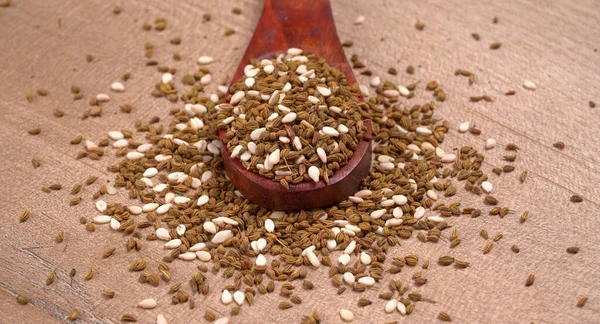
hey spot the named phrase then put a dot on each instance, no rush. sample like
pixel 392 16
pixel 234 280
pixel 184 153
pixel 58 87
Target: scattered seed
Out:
pixel 581 302
pixel 573 249
pixel 24 216
pixel 530 280
pixel 495 45
pixel 444 317
pixel 419 25
pixel 73 315
pixel 529 85
pixel 22 300
pixel 515 249
pixel 576 199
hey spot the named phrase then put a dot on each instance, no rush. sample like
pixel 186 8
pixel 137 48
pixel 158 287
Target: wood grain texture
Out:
pixel 307 25
pixel 553 43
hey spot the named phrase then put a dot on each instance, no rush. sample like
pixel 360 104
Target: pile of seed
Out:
pixel 293 118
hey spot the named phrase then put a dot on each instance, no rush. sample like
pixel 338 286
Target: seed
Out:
pixel 108 294
pixel 510 93
pixel 446 260
pixel 364 302
pixel 348 43
pixel 530 280
pixel 495 45
pixel 36 163
pixel 529 85
pixel 461 264
pixel 34 131
pixel 22 300
pixel 444 317
pixel 581 301
pixel 497 237
pixel 73 315
pixel 285 305
pixel 128 318
pixel 475 36
pixel 573 249
pixel 138 265
pixel 523 176
pixel 559 145
pixel 524 217
pixel 508 168
pixel 490 200
pixel 90 274
pixel 576 199
pixel 346 315
pixel 483 233
pixel 419 25
pixel 24 216
pixel 488 247
pixel 592 104
pixel 359 20
pixel 515 248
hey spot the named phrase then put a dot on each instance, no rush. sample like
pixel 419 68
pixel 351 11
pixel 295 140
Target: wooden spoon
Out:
pixel 307 25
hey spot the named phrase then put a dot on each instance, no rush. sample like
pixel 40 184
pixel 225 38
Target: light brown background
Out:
pixel 553 43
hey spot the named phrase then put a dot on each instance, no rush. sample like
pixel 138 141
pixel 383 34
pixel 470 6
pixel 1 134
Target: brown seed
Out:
pixel 35 131
pixel 576 199
pixel 592 104
pixel 73 315
pixel 108 252
pixel 515 248
pixel 524 217
pixel 573 249
pixel 410 70
pixel 488 247
pixel 307 285
pixel 495 45
pixel 523 176
pixel 285 305
pixel 461 264
pixel 209 315
pixel 176 41
pixel 476 36
pixel 128 318
pixel 530 280
pixel 72 273
pixel 22 300
pixel 392 71
pixel 510 93
pixel 348 43
pixel 508 168
pixel 581 302
pixel 497 237
pixel 483 233
pixel 24 216
pixel 512 147
pixel 30 97
pixel 35 162
pixel 490 200
pixel 559 145
pixel 90 180
pixel 446 260
pixel 42 92
pixel 138 265
pixel 444 317
pixel 495 20
pixel 50 279
pixel 108 294
pixel 229 32
pixel 364 302
pixel 5 3
pixel 296 299
pixel 236 11
pixel 74 201
pixel 89 58
pixel 419 25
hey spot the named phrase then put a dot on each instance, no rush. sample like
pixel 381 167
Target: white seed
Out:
pixel 209 227
pixel 101 205
pixel 297 143
pixel 205 60
pixel 331 244
pixel 378 213
pixel 312 258
pixel 401 308
pixel 222 236
pixel 463 127
pixel 419 212
pixel 364 90
pixel 330 131
pixel 345 314
pixel 529 85
pixel 249 82
pixel 391 93
pixel 322 155
pixel 350 248
pixel 102 97
pixel 163 234
pixel 102 219
pixel 274 157
pixel 228 120
pixel 147 303
pixel 277 214
pixel 180 229
pixel 424 130
pixel 375 82
pixel 237 97
pixel 490 143
pixel 114 224
pixel 352 228
pixel 167 78
pixel 187 256
pixel 134 155
pixel 397 212
pixel 144 147
pixel 432 195
pixel 342 129
pixel 222 320
pixel 120 143
pixel 163 209
pixel 359 20
pixel 437 219
pixel 403 91
pixel 261 244
pixel 365 258
pixel 226 297
pixel 269 225
pixel 367 281
pixel 325 92
pixel 255 134
pixel 426 146
pixel 197 247
pixel 206 79
pixel 449 158
pixel 252 72
pixel 202 200
pixel 387 165
pixel 173 244
pixel 349 278
pixel 261 260
pixel 356 200
pixel 239 297
pixel 117 87
pixel 115 135
pixel 313 100
pixel 206 175
pixel 487 186
pixel 293 51
pixel 203 256
pixel 149 207
pixel 236 151
pixel 363 193
pixel 390 306
pixel 400 199
pixel 160 319
pixel 313 173
pixel 344 259
pixel 135 210
pixel 269 69
pixel 150 172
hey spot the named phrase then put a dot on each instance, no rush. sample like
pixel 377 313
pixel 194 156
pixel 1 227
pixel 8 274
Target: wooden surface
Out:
pixel 553 43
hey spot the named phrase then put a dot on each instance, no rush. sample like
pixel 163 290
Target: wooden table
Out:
pixel 555 44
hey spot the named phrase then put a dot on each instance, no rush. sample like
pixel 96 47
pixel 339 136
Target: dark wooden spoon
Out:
pixel 307 25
